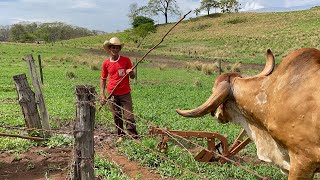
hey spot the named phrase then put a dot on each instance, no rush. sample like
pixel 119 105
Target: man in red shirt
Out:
pixel 115 68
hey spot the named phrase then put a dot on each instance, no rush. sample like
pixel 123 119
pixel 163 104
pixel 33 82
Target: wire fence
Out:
pixel 146 124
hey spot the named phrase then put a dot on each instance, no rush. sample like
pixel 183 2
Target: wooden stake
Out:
pixel 83 133
pixel 23 137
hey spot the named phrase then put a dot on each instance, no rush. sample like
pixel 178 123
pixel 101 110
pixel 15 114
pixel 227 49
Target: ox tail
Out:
pixel 219 95
pixel 270 64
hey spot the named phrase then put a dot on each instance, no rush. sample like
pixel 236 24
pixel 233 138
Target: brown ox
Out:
pixel 280 111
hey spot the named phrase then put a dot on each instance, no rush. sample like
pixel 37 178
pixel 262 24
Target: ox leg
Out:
pixel 301 168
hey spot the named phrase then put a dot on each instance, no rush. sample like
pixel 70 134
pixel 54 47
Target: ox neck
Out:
pixel 250 93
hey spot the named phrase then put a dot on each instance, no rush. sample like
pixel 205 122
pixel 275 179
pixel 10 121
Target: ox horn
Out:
pixel 270 63
pixel 218 97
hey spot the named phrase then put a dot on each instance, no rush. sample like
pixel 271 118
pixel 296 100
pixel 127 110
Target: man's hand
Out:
pixel 131 73
pixel 128 71
pixel 102 99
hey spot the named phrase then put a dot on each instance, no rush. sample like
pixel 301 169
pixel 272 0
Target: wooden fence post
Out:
pixel 40 67
pixel 83 133
pixel 220 68
pixel 136 72
pixel 42 106
pixel 27 102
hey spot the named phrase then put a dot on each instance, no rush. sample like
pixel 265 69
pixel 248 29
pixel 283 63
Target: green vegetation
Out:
pixel 42 32
pixel 108 170
pixel 242 37
pixel 236 37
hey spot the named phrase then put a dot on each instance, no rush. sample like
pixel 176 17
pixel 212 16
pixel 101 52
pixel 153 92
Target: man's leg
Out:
pixel 116 113
pixel 126 101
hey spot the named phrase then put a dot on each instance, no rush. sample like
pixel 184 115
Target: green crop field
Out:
pixel 158 92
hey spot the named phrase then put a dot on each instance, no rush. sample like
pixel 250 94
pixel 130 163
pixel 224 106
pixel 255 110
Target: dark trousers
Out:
pixel 124 101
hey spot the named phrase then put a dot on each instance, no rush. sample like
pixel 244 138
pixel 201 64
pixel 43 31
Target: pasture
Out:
pixel 157 93
pixel 161 88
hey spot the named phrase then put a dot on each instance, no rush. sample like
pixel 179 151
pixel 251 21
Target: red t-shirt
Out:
pixel 116 70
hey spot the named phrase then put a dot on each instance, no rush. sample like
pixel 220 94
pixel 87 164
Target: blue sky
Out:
pixel 107 15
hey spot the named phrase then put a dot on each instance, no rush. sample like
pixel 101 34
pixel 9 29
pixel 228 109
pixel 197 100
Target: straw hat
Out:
pixel 113 41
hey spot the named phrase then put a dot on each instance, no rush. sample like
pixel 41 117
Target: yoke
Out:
pixel 216 152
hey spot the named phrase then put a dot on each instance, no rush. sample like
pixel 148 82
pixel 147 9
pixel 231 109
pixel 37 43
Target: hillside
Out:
pixel 238 37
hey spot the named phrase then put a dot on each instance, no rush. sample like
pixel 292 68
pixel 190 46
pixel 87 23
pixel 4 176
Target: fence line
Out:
pixel 92 103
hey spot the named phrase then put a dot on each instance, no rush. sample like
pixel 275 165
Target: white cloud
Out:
pixel 251 6
pixel 83 4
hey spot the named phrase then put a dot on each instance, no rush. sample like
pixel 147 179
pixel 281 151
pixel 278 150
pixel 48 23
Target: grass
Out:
pixel 157 94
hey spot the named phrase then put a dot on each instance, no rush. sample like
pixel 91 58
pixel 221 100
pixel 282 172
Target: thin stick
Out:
pixel 24 137
pixel 145 56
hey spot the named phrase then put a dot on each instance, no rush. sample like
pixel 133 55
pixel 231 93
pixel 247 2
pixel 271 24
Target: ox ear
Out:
pixel 269 67
pixel 219 95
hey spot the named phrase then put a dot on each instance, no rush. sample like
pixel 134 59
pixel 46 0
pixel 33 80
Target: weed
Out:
pixel 59 141
pixel 71 75
pixel 94 67
pixel 30 166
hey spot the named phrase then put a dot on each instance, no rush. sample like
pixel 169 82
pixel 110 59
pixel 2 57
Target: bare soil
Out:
pixel 56 163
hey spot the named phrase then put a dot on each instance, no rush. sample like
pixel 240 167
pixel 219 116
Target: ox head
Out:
pixel 222 93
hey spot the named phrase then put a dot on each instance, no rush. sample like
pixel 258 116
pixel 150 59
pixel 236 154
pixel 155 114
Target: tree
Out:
pixel 143 31
pixel 228 6
pixel 141 28
pixel 208 4
pixel 139 20
pixel 163 6
pixel 18 33
pixel 133 11
pixel 4 33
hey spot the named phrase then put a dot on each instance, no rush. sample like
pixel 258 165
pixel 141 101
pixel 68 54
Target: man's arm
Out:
pixel 102 89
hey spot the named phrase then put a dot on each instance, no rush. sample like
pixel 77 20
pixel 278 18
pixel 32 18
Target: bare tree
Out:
pixel 164 7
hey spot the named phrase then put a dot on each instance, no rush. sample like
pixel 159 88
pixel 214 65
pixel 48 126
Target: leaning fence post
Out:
pixel 83 133
pixel 27 101
pixel 42 106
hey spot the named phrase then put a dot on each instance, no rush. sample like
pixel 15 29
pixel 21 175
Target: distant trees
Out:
pixel 49 32
pixel 226 6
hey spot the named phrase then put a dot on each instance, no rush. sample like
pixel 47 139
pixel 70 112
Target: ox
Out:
pixel 280 110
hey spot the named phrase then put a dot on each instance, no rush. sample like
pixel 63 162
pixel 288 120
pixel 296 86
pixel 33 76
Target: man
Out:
pixel 115 68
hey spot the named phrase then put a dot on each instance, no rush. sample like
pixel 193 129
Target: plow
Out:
pixel 218 149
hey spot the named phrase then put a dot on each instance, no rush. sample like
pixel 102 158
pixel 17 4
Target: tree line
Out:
pixel 170 7
pixel 42 32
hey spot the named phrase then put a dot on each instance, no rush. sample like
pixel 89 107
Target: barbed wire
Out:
pixel 92 103
pixel 217 154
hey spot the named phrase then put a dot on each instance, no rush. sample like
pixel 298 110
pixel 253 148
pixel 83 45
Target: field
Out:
pixel 164 84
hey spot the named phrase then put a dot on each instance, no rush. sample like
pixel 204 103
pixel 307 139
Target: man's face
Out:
pixel 115 49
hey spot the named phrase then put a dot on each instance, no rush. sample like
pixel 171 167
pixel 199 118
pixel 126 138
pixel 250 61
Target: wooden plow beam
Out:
pixel 217 144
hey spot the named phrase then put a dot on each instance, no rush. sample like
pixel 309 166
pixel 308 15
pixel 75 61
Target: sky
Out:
pixel 111 15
